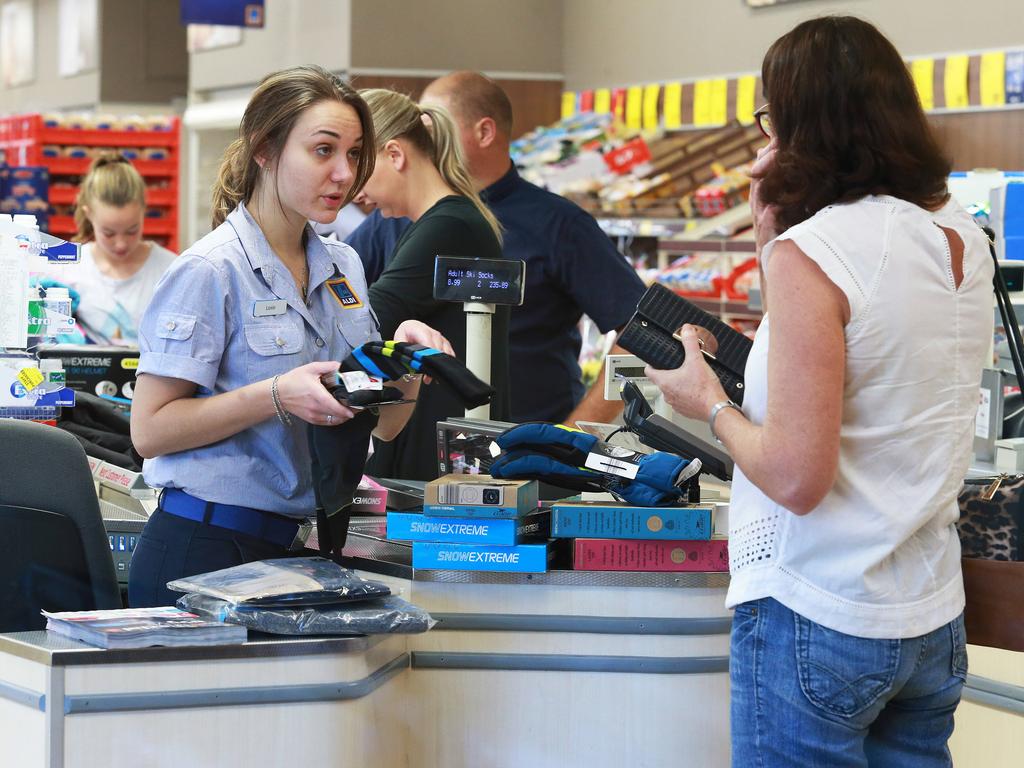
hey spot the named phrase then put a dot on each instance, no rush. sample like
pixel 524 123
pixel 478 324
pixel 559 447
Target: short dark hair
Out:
pixel 848 121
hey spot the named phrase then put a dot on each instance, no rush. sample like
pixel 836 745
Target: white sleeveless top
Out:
pixel 879 557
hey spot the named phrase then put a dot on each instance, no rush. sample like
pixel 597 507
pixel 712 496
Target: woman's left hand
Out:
pixel 693 388
pixel 415 332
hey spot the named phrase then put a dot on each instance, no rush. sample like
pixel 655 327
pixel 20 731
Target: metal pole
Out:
pixel 478 348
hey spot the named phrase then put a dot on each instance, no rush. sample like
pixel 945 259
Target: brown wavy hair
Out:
pixel 848 122
pixel 269 117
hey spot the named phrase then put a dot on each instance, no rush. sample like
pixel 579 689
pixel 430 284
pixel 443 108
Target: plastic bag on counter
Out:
pixel 376 617
pixel 284 582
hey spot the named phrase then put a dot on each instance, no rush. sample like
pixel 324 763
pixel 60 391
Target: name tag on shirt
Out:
pixel 269 308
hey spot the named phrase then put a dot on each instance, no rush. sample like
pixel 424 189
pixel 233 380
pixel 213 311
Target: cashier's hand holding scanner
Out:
pixel 792 457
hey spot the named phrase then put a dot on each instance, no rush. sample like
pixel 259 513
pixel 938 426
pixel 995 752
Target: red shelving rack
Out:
pixel 26 140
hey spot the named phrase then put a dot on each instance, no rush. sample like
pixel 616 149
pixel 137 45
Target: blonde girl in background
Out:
pixel 420 174
pixel 119 270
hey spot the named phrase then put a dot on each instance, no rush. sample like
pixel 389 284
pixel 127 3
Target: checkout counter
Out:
pixel 559 669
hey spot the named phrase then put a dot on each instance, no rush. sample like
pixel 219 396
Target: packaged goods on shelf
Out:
pixel 729 188
pixel 65 145
pixel 702 273
pixel 607 170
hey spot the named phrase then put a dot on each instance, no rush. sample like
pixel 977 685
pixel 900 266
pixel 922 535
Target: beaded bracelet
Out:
pixel 282 414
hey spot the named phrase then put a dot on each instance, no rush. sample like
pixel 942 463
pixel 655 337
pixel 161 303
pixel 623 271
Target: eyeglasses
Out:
pixel 764 122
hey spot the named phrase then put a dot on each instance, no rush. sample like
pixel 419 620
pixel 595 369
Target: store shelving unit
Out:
pixel 28 141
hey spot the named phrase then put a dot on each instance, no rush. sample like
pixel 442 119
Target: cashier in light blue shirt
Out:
pixel 229 314
pixel 239 332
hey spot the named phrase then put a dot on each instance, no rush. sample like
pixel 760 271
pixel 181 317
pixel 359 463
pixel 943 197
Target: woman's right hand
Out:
pixel 302 394
pixel 766 227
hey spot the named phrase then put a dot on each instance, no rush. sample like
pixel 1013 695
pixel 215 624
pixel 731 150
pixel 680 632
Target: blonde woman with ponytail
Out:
pixel 240 331
pixel 119 270
pixel 420 174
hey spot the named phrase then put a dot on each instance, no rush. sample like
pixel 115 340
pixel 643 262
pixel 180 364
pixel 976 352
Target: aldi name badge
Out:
pixel 343 293
pixel 269 308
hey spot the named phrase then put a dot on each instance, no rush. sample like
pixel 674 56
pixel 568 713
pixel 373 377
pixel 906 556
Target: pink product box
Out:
pixel 646 555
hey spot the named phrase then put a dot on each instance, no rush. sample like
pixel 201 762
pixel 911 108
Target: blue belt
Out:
pixel 262 525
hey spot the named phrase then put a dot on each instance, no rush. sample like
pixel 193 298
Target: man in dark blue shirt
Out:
pixel 572 268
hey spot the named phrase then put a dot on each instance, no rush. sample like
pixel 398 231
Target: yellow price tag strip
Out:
pixel 993 79
pixel 634 107
pixel 30 378
pixel 719 110
pixel 955 82
pixel 650 109
pixel 673 108
pixel 568 104
pixel 923 72
pixel 746 88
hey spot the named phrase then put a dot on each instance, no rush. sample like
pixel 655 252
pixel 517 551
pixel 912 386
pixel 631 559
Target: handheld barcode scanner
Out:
pixel 479 285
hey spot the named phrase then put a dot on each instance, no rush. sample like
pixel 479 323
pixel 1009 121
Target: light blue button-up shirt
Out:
pixel 217 319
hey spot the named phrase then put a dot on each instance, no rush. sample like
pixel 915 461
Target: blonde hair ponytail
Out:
pixel 111 180
pixel 396 116
pixel 269 117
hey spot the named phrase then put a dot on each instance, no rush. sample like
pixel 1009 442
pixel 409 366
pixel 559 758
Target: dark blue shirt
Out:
pixel 572 269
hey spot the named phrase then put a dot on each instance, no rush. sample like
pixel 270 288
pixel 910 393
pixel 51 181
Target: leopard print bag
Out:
pixel 991 524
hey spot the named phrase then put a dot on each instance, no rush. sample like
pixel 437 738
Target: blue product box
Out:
pixel 500 532
pixel 523 558
pixel 607 520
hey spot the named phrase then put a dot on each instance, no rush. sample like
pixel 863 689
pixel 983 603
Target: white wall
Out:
pixel 296 32
pixel 609 43
pixel 520 36
pixel 49 90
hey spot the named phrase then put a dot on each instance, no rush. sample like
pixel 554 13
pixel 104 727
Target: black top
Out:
pixel 452 227
pixel 572 268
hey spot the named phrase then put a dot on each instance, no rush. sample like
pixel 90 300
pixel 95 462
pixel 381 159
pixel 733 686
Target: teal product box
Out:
pixel 522 558
pixel 498 532
pixel 608 520
pixel 479 496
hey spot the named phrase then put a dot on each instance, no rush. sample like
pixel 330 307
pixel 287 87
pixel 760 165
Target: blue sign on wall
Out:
pixel 227 13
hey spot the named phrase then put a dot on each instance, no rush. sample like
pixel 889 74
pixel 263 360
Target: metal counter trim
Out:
pixel 52 650
pixel 605 625
pixel 533 662
pixel 24 696
pixel 993 693
pixel 233 697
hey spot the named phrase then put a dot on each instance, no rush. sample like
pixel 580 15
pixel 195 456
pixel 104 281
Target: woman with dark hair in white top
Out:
pixel 857 421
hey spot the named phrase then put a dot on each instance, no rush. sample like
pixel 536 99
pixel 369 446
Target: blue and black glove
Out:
pixel 576 459
pixel 389 360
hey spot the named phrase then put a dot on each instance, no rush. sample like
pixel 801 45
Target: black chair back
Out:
pixel 54 551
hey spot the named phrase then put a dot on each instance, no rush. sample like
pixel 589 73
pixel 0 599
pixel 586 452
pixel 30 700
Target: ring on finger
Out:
pixel 329 417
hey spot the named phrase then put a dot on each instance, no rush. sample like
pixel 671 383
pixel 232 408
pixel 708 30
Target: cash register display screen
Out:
pixel 491 281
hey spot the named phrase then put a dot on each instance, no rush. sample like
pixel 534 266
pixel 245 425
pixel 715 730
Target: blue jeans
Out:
pixel 804 695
